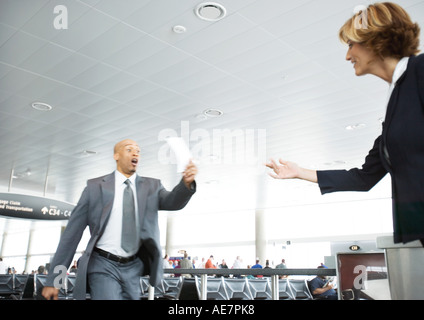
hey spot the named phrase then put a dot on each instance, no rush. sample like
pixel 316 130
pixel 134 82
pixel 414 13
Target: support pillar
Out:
pixel 260 220
pixel 5 232
pixel 3 243
pixel 170 234
pixel 260 236
pixel 29 247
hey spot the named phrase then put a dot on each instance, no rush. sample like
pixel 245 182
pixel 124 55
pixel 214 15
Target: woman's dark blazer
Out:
pixel 399 151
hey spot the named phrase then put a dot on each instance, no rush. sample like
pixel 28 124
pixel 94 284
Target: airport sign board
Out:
pixel 32 207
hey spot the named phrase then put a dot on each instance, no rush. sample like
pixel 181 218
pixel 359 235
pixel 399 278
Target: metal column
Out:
pixel 274 287
pixel 203 287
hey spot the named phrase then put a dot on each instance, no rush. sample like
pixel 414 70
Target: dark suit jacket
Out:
pixel 93 210
pixel 399 151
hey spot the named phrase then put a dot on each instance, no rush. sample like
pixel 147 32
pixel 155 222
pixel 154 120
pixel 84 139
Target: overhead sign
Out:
pixel 33 207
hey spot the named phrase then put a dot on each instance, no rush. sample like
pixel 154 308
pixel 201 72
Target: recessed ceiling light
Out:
pixel 89 152
pixel 210 11
pixel 41 106
pixel 179 29
pixel 213 113
pixel 201 117
pixel 85 153
pixel 355 126
pixel 23 174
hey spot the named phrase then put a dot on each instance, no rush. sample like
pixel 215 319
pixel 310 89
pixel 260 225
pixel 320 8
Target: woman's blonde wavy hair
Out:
pixel 385 28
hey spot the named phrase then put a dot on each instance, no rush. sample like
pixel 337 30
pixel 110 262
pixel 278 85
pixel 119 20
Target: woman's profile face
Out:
pixel 361 57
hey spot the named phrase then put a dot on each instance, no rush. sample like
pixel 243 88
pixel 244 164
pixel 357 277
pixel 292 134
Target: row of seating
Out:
pixel 65 291
pixel 19 287
pixel 12 286
pixel 231 289
pixel 254 289
pixel 171 288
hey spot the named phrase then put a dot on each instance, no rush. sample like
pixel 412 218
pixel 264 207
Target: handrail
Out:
pixel 273 273
pixel 256 272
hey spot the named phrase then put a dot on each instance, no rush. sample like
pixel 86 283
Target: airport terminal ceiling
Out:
pixel 267 79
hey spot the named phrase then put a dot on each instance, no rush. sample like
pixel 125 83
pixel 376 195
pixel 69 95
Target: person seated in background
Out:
pixel 257 266
pixel 186 264
pixel 322 288
pixel 282 265
pixel 209 264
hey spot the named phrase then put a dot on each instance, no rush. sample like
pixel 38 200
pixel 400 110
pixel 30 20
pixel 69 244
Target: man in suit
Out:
pixel 112 264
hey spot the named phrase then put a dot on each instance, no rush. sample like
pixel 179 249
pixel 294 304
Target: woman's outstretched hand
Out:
pixel 283 169
pixel 290 170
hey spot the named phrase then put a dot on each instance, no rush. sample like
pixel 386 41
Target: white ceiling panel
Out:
pixel 154 57
pixel 17 13
pixel 39 87
pixel 85 29
pixel 70 67
pixel 307 14
pixel 13 82
pixel 133 91
pixel 41 23
pixel 228 28
pixel 118 11
pixel 5 33
pixel 19 47
pixel 249 58
pixel 93 76
pixel 177 72
pixel 263 11
pixel 156 13
pixel 42 60
pixel 119 36
pixel 235 46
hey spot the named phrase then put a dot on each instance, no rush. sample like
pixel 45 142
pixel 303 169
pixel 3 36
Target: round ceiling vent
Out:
pixel 213 113
pixel 210 11
pixel 179 29
pixel 41 106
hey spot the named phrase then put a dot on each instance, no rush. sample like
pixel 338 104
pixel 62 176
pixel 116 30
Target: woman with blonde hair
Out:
pixel 383 41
